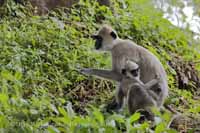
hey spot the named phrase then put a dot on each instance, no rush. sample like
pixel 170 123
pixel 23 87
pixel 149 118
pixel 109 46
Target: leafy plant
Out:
pixel 40 87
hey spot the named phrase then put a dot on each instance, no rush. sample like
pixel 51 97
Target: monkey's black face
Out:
pixel 135 72
pixel 131 73
pixel 98 41
pixel 123 71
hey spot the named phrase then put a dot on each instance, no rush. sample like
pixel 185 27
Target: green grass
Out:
pixel 40 88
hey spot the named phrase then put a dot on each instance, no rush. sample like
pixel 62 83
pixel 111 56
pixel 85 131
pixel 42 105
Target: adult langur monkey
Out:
pixel 108 40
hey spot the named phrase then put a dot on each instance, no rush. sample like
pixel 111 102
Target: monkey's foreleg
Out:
pixel 117 102
pixel 108 74
pixel 153 94
pixel 154 89
pixel 120 98
pixel 151 83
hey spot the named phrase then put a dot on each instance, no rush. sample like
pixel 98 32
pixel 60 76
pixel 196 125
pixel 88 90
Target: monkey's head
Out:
pixel 105 38
pixel 131 70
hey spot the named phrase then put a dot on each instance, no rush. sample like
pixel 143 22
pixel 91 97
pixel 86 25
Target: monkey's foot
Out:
pixel 146 115
pixel 112 106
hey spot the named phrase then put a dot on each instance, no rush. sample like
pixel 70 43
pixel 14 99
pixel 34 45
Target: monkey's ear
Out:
pixel 113 34
pixel 123 71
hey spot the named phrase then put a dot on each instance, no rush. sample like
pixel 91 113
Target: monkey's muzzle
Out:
pixel 98 41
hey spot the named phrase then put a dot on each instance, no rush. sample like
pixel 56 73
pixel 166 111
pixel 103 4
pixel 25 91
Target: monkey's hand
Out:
pixel 86 71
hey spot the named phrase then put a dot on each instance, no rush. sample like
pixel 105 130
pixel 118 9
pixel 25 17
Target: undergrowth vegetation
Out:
pixel 40 87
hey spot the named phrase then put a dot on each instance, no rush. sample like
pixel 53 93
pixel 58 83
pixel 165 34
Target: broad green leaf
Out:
pixel 134 117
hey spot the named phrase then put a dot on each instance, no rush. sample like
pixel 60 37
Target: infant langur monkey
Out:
pixel 132 91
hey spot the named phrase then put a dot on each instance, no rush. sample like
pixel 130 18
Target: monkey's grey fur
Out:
pixel 150 66
pixel 135 93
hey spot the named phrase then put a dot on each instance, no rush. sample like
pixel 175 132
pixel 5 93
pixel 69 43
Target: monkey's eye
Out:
pixel 134 72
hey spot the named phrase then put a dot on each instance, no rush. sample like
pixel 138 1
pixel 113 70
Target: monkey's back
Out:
pixel 149 64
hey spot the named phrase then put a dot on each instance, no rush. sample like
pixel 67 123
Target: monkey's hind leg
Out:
pixel 140 100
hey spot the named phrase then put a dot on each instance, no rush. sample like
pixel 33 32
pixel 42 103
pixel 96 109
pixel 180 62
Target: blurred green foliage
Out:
pixel 40 56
